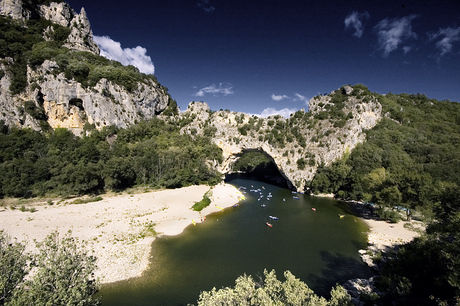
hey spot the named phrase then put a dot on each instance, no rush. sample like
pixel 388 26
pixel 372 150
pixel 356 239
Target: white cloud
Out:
pixel 222 89
pixel 445 39
pixel 285 112
pixel 393 32
pixel 406 49
pixel 127 56
pixel 279 97
pixel 299 97
pixel 205 6
pixel 356 21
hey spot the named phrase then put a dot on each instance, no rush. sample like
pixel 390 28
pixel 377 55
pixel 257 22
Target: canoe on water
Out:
pixel 268 224
pixel 273 218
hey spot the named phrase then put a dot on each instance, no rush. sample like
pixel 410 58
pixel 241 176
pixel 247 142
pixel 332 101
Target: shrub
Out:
pixel 199 206
pixel 271 291
pixel 301 163
pixel 64 275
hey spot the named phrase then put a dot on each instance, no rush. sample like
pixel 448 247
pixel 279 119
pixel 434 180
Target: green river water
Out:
pixel 317 246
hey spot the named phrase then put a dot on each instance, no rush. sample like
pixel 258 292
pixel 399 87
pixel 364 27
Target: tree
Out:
pixel 119 173
pixel 271 291
pixel 64 275
pixel 13 266
pixel 427 269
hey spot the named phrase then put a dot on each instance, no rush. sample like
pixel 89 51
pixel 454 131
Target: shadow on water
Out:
pixel 338 269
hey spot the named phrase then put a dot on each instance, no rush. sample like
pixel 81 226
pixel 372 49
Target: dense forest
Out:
pixel 151 153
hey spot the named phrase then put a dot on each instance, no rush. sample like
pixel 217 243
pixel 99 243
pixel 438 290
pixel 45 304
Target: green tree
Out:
pixel 13 266
pixel 271 291
pixel 119 174
pixel 426 271
pixel 64 275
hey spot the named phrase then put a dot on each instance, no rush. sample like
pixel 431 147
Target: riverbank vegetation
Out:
pixel 205 201
pixel 60 273
pixel 151 153
pixel 410 161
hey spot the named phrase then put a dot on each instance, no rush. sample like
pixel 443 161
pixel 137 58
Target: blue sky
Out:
pixel 259 56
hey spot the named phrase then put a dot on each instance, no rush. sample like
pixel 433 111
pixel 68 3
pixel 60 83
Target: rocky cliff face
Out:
pixel 52 98
pixel 81 37
pixel 296 145
pixel 14 9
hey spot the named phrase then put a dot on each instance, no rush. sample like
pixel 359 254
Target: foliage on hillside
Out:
pixel 150 153
pixel 410 159
pixel 251 161
pixel 406 158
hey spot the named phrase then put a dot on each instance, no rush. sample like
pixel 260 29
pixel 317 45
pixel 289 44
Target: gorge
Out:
pixel 66 84
pixel 76 127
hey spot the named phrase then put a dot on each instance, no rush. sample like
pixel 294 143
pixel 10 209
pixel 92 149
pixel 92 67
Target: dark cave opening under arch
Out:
pixel 258 165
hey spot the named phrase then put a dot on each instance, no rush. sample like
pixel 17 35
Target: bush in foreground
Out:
pixel 63 273
pixel 271 291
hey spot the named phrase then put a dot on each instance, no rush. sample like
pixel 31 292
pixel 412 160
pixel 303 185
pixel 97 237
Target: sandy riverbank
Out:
pixel 383 234
pixel 118 228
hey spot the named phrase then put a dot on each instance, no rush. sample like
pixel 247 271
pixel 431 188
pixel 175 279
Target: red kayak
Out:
pixel 268 224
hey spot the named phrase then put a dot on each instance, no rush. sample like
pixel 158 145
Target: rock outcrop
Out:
pixel 14 9
pixel 67 104
pixel 81 35
pixel 51 98
pixel 297 145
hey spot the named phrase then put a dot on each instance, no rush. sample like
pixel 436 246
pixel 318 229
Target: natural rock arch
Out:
pixel 334 125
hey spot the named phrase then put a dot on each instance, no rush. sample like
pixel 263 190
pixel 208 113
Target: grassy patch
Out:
pixel 199 206
pixel 148 230
pixel 88 200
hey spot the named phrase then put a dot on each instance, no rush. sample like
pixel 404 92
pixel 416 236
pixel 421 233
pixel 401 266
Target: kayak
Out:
pixel 268 224
pixel 273 218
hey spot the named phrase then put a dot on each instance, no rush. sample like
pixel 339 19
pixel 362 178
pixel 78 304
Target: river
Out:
pixel 310 238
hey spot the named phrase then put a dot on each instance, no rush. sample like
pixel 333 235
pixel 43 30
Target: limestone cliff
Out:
pixel 333 126
pixel 71 85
